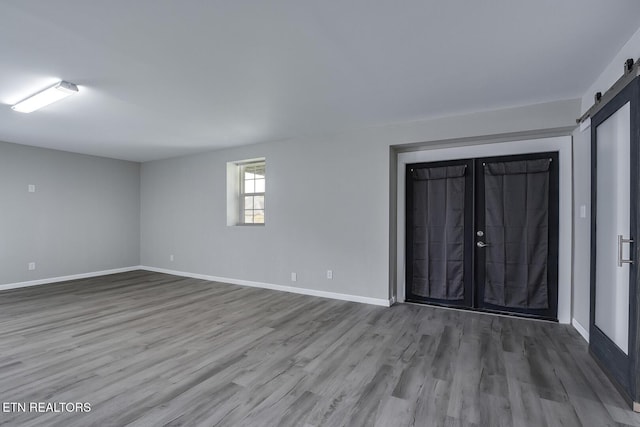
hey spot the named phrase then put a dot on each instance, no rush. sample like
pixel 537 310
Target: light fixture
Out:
pixel 45 97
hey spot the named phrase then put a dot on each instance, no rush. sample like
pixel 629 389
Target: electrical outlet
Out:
pixel 329 274
pixel 583 211
pixel 294 277
pixel 31 188
pixel 171 257
pixel 32 266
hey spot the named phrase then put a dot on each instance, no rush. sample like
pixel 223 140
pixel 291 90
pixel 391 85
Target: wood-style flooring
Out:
pixel 149 349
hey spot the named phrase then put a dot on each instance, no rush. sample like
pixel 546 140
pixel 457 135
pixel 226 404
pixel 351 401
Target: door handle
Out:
pixel 622 241
pixel 481 245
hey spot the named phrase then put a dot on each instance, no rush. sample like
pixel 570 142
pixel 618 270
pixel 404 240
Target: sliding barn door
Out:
pixel 614 233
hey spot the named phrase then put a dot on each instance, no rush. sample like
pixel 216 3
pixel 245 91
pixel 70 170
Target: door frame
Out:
pixel 560 144
pixel 612 362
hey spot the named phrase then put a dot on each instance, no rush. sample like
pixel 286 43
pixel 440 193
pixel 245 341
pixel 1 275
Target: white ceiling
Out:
pixel 166 78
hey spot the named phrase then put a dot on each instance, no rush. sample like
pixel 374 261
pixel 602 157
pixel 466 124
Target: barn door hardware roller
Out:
pixel 631 71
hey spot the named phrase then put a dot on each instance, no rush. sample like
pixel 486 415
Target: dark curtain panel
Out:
pixel 438 232
pixel 517 221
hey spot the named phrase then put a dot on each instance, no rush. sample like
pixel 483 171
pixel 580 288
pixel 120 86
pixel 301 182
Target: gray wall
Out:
pixel 84 216
pixel 328 203
pixel 581 226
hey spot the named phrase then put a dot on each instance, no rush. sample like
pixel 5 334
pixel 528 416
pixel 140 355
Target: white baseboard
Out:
pixel 581 330
pixel 303 291
pixel 66 278
pixel 292 289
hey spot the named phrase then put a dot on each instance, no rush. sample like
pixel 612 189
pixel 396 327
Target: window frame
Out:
pixel 242 193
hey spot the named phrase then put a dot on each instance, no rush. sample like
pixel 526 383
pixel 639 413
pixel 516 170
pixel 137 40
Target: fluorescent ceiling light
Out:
pixel 48 96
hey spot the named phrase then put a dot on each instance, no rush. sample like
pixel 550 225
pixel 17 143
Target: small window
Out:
pixel 252 192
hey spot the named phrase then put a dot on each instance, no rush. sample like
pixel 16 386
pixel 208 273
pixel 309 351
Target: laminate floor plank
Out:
pixel 150 349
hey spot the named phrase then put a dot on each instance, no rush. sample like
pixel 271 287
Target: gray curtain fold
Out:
pixel 517 233
pixel 438 232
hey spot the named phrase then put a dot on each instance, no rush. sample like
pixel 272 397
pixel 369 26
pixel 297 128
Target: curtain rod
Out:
pixel 631 71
